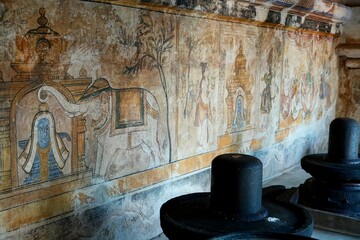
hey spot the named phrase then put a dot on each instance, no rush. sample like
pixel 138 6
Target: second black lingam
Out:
pixel 335 183
pixel 236 204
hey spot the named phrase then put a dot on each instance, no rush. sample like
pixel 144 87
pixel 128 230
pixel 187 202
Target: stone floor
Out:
pixel 294 178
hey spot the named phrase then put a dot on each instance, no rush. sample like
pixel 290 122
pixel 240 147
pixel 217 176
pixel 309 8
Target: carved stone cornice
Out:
pixel 322 16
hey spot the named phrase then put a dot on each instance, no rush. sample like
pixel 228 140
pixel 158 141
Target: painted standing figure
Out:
pixel 203 108
pixel 266 98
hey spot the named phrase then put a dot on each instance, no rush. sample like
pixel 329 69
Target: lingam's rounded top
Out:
pixel 343 141
pixel 342 162
pixel 231 160
pixel 236 185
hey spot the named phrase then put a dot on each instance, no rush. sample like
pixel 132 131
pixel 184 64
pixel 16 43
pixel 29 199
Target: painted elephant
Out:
pixel 124 133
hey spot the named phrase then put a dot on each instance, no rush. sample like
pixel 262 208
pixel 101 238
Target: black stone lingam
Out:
pixel 335 182
pixel 234 205
pixel 236 187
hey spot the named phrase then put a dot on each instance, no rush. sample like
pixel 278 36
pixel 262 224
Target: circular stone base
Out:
pixel 341 198
pixel 189 217
pixel 262 236
pixel 318 166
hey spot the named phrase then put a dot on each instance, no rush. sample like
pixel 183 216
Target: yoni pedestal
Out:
pixel 335 183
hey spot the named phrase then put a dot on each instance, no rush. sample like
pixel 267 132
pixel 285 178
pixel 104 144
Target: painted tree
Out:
pixel 190 43
pixel 153 42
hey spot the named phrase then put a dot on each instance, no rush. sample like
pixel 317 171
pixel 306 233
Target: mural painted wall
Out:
pixel 107 111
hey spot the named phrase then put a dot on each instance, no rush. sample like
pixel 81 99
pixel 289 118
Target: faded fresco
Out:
pixel 119 125
pixel 44 149
pixel 306 88
pixel 239 81
pixel 198 56
pixel 99 100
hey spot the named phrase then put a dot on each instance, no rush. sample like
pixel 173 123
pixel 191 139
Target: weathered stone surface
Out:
pixel 349 77
pixel 133 216
pixel 349 50
pixel 353 63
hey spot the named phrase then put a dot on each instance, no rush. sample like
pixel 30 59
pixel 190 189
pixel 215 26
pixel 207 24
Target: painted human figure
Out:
pixel 203 111
pixel 266 99
pixel 43 48
pixel 44 153
pixel 309 92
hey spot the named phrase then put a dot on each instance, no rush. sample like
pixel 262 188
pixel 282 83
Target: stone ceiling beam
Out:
pixel 348 50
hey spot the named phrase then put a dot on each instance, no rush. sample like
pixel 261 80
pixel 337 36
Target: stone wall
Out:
pixel 349 68
pixel 109 110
